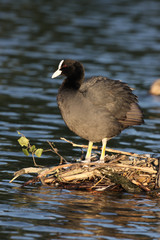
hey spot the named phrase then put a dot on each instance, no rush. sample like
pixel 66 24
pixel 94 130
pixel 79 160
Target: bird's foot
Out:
pixel 100 161
pixel 86 160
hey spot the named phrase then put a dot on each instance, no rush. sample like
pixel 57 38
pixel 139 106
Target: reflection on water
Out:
pixel 70 215
pixel 118 39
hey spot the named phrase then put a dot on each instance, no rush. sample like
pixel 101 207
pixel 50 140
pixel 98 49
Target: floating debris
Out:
pixel 122 171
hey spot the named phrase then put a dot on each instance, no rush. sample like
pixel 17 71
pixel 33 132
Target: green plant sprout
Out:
pixel 27 148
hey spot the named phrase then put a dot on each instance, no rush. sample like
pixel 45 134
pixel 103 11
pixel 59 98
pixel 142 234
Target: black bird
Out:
pixel 96 109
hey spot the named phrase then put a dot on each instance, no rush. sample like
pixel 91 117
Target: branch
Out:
pixel 108 149
pixel 26 171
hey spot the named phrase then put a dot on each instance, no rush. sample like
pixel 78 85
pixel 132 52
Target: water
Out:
pixel 118 39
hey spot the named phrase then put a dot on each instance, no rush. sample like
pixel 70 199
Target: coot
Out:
pixel 96 109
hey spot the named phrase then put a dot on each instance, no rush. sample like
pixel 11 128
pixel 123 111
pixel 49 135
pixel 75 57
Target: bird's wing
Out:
pixel 114 96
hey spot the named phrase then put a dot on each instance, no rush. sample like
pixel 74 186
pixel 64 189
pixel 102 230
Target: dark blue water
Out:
pixel 119 39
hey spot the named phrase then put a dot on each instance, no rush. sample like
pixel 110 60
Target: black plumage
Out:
pixel 96 109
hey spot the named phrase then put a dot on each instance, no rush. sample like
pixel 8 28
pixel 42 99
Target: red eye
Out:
pixel 64 66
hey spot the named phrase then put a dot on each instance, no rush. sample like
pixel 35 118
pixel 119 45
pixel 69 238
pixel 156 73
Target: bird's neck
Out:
pixel 73 82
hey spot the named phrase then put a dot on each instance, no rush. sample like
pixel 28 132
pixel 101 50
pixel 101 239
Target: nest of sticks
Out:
pixel 122 171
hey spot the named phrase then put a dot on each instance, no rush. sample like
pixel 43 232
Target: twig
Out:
pixel 34 161
pixel 50 170
pixel 83 175
pixel 26 171
pixel 78 145
pixel 141 186
pixel 143 169
pixel 158 174
pixel 56 152
pixel 98 182
pixel 108 149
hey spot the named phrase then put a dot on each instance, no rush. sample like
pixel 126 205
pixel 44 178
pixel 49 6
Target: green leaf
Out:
pixel 39 152
pixel 32 148
pixel 25 151
pixel 18 132
pixel 23 141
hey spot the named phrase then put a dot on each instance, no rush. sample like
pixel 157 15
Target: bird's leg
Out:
pixel 89 150
pixel 104 142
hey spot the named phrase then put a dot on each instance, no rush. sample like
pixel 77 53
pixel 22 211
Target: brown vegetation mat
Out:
pixel 120 172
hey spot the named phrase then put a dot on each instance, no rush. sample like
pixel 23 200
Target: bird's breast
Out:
pixel 85 119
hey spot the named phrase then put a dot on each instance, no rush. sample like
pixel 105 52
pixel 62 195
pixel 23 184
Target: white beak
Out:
pixel 58 72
